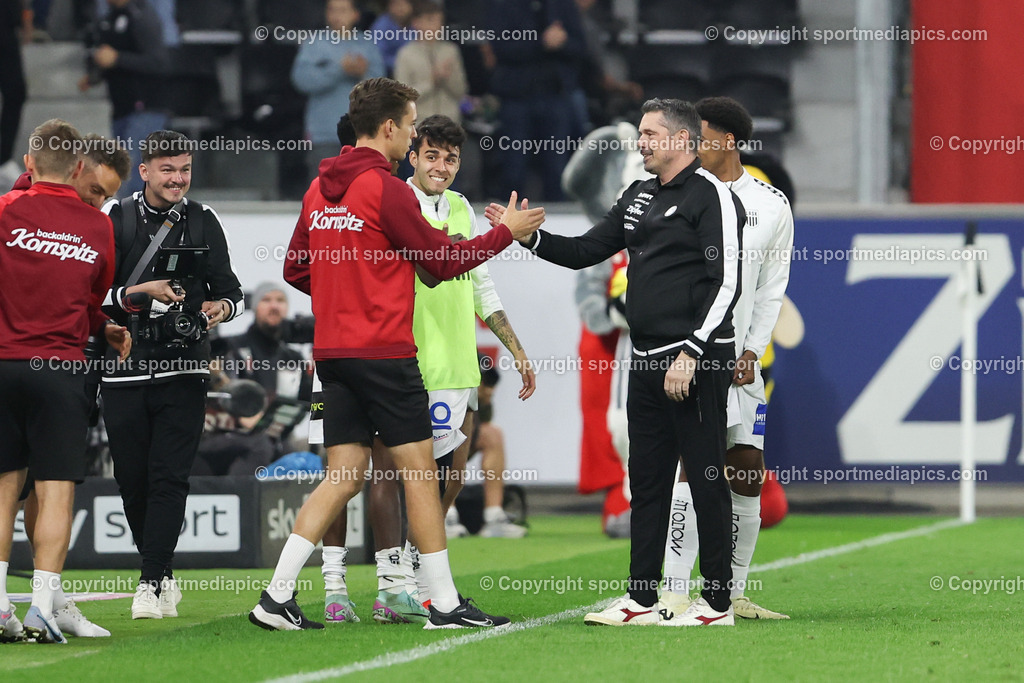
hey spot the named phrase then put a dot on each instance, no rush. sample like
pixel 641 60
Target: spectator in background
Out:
pixel 390 31
pixel 433 66
pixel 598 84
pixel 129 53
pixel 326 70
pixel 262 354
pixel 165 9
pixel 535 80
pixel 12 88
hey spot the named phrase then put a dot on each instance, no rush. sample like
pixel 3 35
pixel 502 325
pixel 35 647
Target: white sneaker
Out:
pixel 170 596
pixel 699 613
pixel 146 604
pixel 674 603
pixel 71 621
pixel 624 611
pixel 502 528
pixel 453 528
pixel 745 609
pixel 10 626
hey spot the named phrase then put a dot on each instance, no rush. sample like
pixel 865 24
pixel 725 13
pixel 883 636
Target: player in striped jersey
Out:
pixel 767 247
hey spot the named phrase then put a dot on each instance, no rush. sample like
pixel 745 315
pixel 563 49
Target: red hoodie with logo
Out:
pixel 56 265
pixel 353 250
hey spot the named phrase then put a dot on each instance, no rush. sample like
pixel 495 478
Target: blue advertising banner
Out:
pixel 875 382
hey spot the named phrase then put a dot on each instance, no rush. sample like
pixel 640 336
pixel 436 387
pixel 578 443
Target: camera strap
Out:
pixel 173 216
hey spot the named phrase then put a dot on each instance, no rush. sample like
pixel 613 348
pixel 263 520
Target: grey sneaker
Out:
pixel 41 630
pixel 502 528
pixel 617 526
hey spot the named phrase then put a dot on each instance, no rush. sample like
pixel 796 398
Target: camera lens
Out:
pixel 184 325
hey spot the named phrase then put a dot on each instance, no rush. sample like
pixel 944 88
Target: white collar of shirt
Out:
pixel 740 182
pixel 433 206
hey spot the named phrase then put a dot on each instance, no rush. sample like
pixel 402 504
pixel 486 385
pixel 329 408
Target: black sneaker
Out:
pixel 276 616
pixel 466 615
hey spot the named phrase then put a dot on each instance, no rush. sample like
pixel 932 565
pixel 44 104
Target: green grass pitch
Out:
pixel 871 613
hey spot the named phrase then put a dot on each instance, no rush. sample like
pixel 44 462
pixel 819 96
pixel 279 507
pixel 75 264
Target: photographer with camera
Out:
pixel 263 354
pixel 174 251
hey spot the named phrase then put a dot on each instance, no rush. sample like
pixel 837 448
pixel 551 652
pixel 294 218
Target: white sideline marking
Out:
pixel 32 665
pixel 406 656
pixel 411 655
pixel 803 558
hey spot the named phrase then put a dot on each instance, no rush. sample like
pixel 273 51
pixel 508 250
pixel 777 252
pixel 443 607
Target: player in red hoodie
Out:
pixel 354 249
pixel 56 263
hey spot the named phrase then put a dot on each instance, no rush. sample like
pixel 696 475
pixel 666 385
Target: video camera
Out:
pixel 298 330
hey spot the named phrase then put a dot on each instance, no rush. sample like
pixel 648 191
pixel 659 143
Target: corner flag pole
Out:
pixel 968 378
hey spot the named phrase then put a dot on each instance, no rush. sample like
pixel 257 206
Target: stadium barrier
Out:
pixel 229 522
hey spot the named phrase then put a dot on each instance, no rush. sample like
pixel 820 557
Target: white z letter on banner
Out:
pixel 873 430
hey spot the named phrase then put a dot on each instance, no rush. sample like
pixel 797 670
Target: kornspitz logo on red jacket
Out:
pixel 335 218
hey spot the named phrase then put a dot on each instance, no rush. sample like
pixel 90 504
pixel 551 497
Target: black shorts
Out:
pixel 44 418
pixel 363 396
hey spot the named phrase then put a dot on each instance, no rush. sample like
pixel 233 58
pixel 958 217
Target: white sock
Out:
pixel 334 568
pixel 390 576
pixel 438 575
pixel 682 542
pixel 5 600
pixel 43 586
pixel 59 598
pixel 452 516
pixel 495 513
pixel 409 572
pixel 293 557
pixel 422 588
pixel 746 523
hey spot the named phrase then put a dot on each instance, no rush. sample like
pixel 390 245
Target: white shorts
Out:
pixel 447 413
pixel 746 413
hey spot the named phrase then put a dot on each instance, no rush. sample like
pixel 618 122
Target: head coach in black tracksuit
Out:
pixel 682 232
pixel 154 403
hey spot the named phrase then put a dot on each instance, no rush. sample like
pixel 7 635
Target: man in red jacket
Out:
pixel 56 263
pixel 104 167
pixel 354 249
